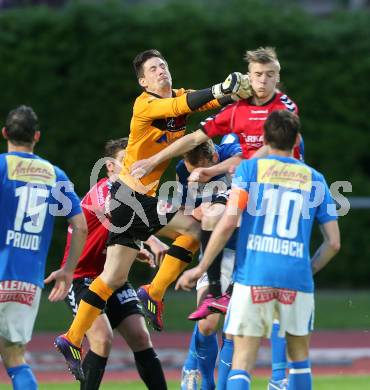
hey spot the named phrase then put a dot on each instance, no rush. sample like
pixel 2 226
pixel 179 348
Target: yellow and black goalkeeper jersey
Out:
pixel 156 122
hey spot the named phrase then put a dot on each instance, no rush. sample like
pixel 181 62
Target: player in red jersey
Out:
pixel 122 311
pixel 245 118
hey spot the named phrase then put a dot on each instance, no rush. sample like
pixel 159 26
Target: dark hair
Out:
pixel 281 129
pixel 113 146
pixel 142 57
pixel 21 125
pixel 201 152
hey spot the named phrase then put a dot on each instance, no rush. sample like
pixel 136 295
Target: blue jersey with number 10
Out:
pixel 285 197
pixel 32 192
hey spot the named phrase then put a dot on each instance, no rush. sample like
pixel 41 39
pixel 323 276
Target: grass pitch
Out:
pixel 320 383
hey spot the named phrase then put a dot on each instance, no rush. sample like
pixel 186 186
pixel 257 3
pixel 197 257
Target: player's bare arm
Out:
pixel 63 277
pixel 190 141
pixel 204 175
pixel 329 248
pixel 261 152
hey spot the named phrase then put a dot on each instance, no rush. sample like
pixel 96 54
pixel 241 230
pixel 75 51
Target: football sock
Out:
pixel 207 350
pixel 89 309
pixel 93 367
pixel 300 375
pixel 224 365
pixel 176 260
pixel 150 369
pixel 22 377
pixel 191 362
pixel 238 380
pixel 214 271
pixel 278 354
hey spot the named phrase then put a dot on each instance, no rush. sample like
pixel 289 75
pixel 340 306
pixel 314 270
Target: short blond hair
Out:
pixel 262 55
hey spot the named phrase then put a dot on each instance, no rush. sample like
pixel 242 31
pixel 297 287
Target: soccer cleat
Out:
pixel 220 304
pixel 202 310
pixel 190 379
pixel 153 309
pixel 278 385
pixel 72 356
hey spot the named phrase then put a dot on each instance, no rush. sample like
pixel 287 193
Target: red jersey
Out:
pixel 92 259
pixel 246 120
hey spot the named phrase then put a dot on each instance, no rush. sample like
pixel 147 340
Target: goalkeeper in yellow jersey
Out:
pixel 159 118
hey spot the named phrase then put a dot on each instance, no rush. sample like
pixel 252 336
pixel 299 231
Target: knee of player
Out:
pixel 209 222
pixel 113 278
pixel 208 326
pixel 297 347
pixel 101 343
pixel 192 229
pixel 13 355
pixel 211 216
pixel 139 340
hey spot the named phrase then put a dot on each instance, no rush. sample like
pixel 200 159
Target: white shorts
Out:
pixel 227 267
pixel 18 311
pixel 252 311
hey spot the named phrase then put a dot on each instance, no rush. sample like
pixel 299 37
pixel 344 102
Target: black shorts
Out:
pixel 221 197
pixel 135 217
pixel 122 303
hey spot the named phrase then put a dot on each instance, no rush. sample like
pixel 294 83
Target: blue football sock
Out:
pixel 191 362
pixel 22 377
pixel 300 376
pixel 207 349
pixel 278 354
pixel 238 380
pixel 224 365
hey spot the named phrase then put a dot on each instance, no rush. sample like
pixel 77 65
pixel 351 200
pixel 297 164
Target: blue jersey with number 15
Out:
pixel 285 197
pixel 32 192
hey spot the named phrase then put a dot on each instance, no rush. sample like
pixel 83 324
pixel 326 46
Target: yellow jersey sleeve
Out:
pixel 148 106
pixel 156 123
